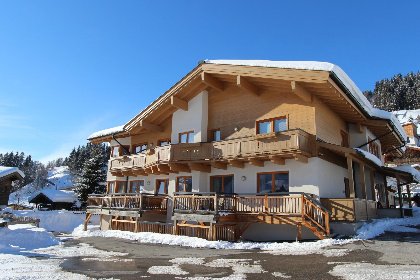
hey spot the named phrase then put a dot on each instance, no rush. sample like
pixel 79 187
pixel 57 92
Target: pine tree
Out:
pixel 93 176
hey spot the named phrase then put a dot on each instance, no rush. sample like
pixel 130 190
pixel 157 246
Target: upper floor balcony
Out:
pixel 275 146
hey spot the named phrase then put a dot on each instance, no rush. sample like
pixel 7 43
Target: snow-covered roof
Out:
pixel 57 195
pixel 409 169
pixel 5 171
pixel 369 156
pixel 337 72
pixel 106 132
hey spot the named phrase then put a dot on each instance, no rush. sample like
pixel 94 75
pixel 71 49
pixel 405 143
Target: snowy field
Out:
pixel 19 244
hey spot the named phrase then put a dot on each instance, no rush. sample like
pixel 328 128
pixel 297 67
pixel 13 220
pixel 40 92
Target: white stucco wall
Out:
pixel 196 119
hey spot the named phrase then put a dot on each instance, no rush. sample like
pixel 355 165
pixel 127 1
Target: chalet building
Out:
pixel 7 176
pixel 259 150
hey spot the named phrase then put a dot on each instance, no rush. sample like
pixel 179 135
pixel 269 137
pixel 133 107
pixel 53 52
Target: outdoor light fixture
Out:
pixel 151 145
pixel 243 178
pixel 148 183
pixel 236 128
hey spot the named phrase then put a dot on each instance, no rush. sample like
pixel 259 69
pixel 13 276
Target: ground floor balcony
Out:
pixel 274 147
pixel 131 205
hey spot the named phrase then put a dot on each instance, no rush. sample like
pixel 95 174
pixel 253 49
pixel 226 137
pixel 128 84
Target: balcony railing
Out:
pixel 289 204
pixel 140 202
pixel 275 143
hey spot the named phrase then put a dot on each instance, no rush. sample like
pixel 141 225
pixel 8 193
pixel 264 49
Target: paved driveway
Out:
pixel 390 256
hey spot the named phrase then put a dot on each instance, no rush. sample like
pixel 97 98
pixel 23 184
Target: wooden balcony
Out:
pixel 132 205
pixel 280 208
pixel 275 146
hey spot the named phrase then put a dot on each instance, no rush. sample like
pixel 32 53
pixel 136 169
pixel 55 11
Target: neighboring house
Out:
pixel 7 176
pixel 54 199
pixel 261 150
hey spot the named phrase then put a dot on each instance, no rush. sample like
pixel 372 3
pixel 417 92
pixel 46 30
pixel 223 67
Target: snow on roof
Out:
pixel 409 169
pixel 4 171
pixel 369 156
pixel 353 90
pixel 106 132
pixel 57 195
pixel 404 115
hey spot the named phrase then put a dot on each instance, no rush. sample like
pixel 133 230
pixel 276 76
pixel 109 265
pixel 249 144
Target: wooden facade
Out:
pixel 268 120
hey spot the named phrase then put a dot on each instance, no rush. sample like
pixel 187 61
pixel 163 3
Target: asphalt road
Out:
pixel 390 256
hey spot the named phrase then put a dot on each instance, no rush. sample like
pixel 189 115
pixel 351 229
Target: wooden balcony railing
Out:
pixel 140 202
pixel 276 143
pixel 292 204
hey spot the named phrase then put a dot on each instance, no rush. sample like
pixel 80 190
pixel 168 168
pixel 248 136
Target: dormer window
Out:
pixel 272 125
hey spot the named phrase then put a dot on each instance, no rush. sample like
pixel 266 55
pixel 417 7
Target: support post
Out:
pixel 363 180
pixel 299 232
pixel 350 174
pixel 407 187
pixel 400 197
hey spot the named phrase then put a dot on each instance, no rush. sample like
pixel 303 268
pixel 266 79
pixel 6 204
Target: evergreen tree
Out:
pixel 93 176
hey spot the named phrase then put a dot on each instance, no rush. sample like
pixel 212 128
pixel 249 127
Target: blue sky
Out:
pixel 70 68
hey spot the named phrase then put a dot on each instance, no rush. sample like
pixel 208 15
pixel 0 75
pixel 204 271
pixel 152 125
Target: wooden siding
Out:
pixel 328 123
pixel 152 136
pixel 235 107
pixel 350 209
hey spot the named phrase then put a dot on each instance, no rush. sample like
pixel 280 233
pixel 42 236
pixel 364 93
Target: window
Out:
pixel 140 149
pixel 374 148
pixel 222 184
pixel 186 137
pixel 344 139
pixel 117 187
pixel 162 186
pixel 215 135
pixel 117 151
pixel 164 142
pixel 272 125
pixel 136 186
pixel 184 184
pixel 273 182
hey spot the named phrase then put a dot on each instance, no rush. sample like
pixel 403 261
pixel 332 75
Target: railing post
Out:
pixel 215 202
pixel 266 203
pixel 193 202
pixel 141 202
pixel 235 203
pixel 303 205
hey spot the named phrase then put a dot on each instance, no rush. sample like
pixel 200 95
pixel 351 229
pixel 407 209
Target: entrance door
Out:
pixel 162 186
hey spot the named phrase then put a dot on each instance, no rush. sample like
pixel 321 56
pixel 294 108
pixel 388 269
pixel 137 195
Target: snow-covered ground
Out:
pixel 20 242
pixel 59 176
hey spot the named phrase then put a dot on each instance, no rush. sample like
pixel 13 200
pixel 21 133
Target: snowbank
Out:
pixel 60 220
pixel 18 238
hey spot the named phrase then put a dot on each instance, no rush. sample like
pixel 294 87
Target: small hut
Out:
pixel 54 199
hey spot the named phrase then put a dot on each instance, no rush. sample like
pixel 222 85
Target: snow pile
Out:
pixel 18 238
pixel 379 226
pixel 106 132
pixel 323 66
pixel 404 116
pixel 409 169
pixel 59 220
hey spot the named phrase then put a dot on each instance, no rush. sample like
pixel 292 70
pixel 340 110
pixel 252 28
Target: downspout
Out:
pixel 128 152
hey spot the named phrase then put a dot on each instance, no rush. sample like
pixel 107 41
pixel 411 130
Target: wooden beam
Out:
pixel 350 174
pixel 165 169
pixel 140 172
pixel 277 160
pixel 236 163
pixel 300 91
pixel 200 167
pixel 247 85
pixel 219 165
pixel 363 180
pixel 256 162
pixel 211 81
pixel 150 126
pixel 372 184
pixel 300 158
pixel 179 103
pixel 407 188
pixel 360 127
pixel 179 167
